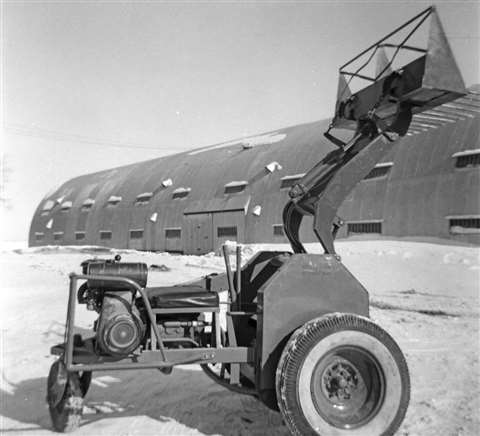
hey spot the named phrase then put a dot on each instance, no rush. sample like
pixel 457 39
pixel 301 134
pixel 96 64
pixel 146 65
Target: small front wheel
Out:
pixel 342 374
pixel 65 397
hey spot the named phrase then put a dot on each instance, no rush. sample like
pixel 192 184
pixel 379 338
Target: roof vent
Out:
pixel 289 181
pixel 181 192
pixel 66 205
pixel 88 202
pixel 257 210
pixel 154 217
pixel 235 187
pixel 380 170
pixel 167 182
pixel 49 224
pixel 467 158
pixel 114 200
pixel 143 198
pixel 273 166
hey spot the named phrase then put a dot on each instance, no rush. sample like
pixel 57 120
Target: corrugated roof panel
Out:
pixel 445 113
pixel 460 107
pixel 422 124
pixel 434 118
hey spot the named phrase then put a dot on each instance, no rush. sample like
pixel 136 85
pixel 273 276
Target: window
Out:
pixel 87 204
pixel 79 236
pixel 57 236
pixel 223 232
pixel 467 158
pixel 105 235
pixel 365 227
pixel 235 187
pixel 136 234
pixel 278 230
pixel 289 181
pixel 464 224
pixel 380 170
pixel 173 233
pixel 113 200
pixel 39 236
pixel 66 206
pixel 143 198
pixel 181 192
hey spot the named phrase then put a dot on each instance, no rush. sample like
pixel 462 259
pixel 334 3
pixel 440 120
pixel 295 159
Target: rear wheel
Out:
pixel 64 397
pixel 342 374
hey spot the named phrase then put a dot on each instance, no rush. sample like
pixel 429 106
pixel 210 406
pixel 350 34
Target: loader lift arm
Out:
pixel 323 189
pixel 378 114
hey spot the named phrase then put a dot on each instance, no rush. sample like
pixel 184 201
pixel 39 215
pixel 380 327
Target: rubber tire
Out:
pixel 66 415
pixel 344 330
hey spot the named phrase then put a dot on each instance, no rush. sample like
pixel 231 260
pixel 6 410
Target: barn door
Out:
pixel 228 226
pixel 198 233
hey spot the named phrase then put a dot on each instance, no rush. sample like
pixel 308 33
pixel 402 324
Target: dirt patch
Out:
pixel 430 312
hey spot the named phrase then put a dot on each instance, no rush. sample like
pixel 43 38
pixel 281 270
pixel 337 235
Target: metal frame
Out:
pixel 144 359
pixel 422 16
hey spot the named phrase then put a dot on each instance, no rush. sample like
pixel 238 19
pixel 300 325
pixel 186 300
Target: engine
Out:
pixel 119 328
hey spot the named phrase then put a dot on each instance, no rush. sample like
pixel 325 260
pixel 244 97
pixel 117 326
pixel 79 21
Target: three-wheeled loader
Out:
pixel 297 332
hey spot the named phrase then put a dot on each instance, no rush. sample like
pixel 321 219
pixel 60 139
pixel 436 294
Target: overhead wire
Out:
pixel 36 132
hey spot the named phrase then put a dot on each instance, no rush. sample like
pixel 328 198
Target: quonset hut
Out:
pixel 192 202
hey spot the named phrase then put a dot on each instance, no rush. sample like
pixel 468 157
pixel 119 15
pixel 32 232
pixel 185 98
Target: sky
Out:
pixel 92 85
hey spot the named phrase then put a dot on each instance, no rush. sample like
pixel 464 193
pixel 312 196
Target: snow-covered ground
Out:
pixel 425 295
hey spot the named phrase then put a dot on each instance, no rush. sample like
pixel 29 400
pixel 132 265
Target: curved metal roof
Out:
pixel 193 182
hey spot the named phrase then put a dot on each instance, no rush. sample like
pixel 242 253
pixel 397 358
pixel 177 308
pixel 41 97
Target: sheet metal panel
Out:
pixel 80 217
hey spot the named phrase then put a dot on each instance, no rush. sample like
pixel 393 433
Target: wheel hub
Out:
pixel 346 387
pixel 340 381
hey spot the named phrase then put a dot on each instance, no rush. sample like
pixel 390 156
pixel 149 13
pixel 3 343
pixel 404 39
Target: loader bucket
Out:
pixel 427 76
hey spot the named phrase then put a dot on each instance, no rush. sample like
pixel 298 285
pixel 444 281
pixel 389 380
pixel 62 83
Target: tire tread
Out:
pixel 298 347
